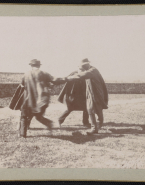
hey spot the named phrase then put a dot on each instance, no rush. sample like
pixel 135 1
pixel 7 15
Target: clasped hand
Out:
pixel 70 78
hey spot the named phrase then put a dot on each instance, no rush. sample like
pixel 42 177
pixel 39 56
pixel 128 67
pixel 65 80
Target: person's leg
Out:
pixel 63 116
pixel 29 118
pixel 23 123
pixel 100 117
pixel 94 128
pixel 45 121
pixel 86 119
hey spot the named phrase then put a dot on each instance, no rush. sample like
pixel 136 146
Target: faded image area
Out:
pixel 72 92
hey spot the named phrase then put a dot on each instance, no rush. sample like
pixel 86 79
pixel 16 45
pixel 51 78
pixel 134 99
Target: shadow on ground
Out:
pixel 125 128
pixel 114 129
pixel 74 128
pixel 79 138
pixel 37 129
pixel 66 128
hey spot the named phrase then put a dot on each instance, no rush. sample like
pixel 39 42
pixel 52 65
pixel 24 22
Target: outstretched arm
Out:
pixel 81 75
pixel 86 74
pixel 55 80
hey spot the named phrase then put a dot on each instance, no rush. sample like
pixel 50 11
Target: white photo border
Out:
pixel 72 173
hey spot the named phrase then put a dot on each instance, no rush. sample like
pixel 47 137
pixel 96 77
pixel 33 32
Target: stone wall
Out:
pixel 10 77
pixel 10 81
pixel 8 89
pixel 126 88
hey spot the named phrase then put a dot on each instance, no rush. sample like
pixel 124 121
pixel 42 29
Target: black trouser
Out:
pixel 26 117
pixel 67 112
pixel 94 124
pixel 86 117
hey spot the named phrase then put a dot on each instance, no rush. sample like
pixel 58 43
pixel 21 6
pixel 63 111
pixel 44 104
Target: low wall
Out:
pixel 10 77
pixel 10 81
pixel 8 89
pixel 126 88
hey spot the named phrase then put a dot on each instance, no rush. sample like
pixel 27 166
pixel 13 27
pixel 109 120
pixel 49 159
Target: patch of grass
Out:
pixel 119 143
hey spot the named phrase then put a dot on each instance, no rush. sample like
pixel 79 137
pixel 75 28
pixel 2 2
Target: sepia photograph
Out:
pixel 72 92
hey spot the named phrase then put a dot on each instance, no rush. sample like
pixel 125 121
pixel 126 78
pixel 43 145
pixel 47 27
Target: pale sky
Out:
pixel 115 45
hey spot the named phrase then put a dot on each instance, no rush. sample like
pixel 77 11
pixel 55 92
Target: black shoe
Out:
pixel 92 132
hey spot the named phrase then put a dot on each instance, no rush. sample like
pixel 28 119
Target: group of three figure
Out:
pixel 84 90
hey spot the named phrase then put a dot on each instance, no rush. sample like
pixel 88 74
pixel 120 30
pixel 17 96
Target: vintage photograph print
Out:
pixel 72 92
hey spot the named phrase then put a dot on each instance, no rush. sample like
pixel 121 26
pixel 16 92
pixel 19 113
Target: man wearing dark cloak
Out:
pixel 36 96
pixel 96 95
pixel 73 95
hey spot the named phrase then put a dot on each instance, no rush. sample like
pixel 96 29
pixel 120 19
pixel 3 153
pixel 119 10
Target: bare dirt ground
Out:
pixel 119 144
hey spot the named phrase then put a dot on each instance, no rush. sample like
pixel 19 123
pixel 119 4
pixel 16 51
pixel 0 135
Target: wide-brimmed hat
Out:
pixel 35 62
pixel 84 61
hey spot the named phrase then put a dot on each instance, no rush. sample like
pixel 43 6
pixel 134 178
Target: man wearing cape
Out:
pixel 32 96
pixel 85 91
pixel 73 96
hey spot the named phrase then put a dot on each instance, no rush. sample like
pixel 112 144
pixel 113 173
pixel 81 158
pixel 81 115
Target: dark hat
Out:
pixel 84 61
pixel 34 62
